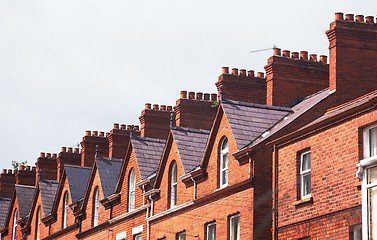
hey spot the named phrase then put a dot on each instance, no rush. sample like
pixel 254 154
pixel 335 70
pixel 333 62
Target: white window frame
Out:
pixel 96 207
pixel 38 224
pixel 137 237
pixel 208 228
pixel 173 185
pixel 131 192
pixel 181 235
pixel 65 209
pixel 231 226
pixel 224 169
pixel 305 173
pixel 362 173
pixel 14 227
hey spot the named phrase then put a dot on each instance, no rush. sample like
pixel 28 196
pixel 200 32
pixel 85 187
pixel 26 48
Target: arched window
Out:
pixel 38 224
pixel 224 163
pixel 173 184
pixel 65 209
pixel 14 230
pixel 95 206
pixel 131 190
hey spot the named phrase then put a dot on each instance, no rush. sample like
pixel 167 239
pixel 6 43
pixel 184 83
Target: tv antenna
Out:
pixel 262 50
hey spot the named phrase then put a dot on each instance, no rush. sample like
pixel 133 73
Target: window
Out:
pixel 224 163
pixel 305 175
pixel 211 231
pixel 173 184
pixel 137 237
pixel 355 232
pixel 38 224
pixel 95 206
pixel 131 191
pixel 65 209
pixel 234 227
pixel 181 235
pixel 14 230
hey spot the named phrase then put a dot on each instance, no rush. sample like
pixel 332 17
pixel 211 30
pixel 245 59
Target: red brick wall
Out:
pixel 89 143
pixel 43 228
pixel 7 182
pixel 155 123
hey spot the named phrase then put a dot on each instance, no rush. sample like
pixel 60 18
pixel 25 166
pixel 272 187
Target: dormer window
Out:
pixel 65 209
pixel 14 230
pixel 224 154
pixel 95 206
pixel 131 191
pixel 173 184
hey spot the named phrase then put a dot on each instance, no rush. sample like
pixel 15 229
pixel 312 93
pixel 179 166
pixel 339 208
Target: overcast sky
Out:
pixel 71 66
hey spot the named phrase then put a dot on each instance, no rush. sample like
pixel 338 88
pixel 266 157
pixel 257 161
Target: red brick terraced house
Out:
pixel 289 154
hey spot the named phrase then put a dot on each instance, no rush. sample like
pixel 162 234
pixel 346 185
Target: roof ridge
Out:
pixel 76 166
pixel 148 139
pixel 48 180
pixel 25 186
pixel 257 105
pixel 109 159
pixel 203 131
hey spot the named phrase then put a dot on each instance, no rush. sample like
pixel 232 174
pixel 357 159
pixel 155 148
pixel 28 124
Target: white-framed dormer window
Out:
pixel 173 184
pixel 65 209
pixel 95 206
pixel 211 231
pixel 14 227
pixel 131 191
pixel 305 174
pixel 224 155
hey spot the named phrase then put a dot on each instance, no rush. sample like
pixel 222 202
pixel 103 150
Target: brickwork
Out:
pixel 46 167
pixel 7 181
pixel 155 122
pixel 89 143
pixel 67 157
pixel 26 176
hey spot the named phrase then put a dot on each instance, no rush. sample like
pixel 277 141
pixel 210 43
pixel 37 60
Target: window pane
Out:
pixel 225 144
pixel 182 236
pixel 373 142
pixel 138 237
pixel 372 212
pixel 224 161
pixel 372 175
pixel 235 228
pixel 211 232
pixel 305 165
pixel 306 184
pixel 173 195
pixel 224 177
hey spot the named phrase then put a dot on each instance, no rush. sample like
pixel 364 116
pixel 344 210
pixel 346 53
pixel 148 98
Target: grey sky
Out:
pixel 70 66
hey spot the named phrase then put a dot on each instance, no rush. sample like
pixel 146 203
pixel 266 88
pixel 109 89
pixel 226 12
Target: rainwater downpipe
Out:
pixel 194 187
pixel 275 192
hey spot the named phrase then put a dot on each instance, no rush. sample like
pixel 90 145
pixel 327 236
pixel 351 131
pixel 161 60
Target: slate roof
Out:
pixel 108 170
pixel 248 121
pixel 191 146
pixel 77 179
pixel 25 196
pixel 298 110
pixel 148 153
pixel 4 207
pixel 47 189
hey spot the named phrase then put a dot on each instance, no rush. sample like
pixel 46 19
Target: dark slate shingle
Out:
pixel 25 196
pixel 108 170
pixel 77 179
pixel 48 190
pixel 4 207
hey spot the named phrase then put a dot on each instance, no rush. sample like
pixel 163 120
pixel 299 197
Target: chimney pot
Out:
pixel 304 55
pixel 250 73
pixel 214 97
pixel 360 18
pixel 369 19
pixel 33 169
pixel 148 106
pixel 349 17
pixel 77 150
pixel 225 70
pixel 243 72
pixel 42 155
pixel 64 149
pixel 123 126
pixel 129 127
pixel 88 133
pixel 163 107
pixel 28 168
pixel 339 16
pixel 170 108
pixel 136 128
pixel 155 106
pixel 95 133
pixel 294 54
pixel 10 171
pixel 107 134
pixel 260 74
pixel 184 94
pixel 48 155
pixel 102 134
pixel 277 51
pixel 4 171
pixel 191 95
pixel 313 57
pixel 206 96
pixel 22 168
pixel 235 71
pixel 116 126
pixel 286 53
pixel 70 149
pixel 323 59
pixel 55 155
pixel 199 95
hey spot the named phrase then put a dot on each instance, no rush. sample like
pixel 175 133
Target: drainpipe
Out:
pixel 275 193
pixel 194 187
pixel 151 214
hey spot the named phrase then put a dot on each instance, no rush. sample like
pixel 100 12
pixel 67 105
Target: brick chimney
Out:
pixel 118 140
pixel 195 111
pixel 26 176
pixel 294 76
pixel 67 156
pixel 353 56
pixel 155 122
pixel 7 181
pixel 47 163
pixel 242 86
pixel 89 143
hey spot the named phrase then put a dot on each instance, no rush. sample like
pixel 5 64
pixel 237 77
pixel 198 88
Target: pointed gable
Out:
pixel 191 144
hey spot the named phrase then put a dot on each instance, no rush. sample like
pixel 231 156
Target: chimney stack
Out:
pixel 89 143
pixel 66 157
pixel 7 182
pixel 25 176
pixel 48 165
pixel 119 139
pixel 155 123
